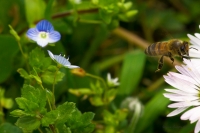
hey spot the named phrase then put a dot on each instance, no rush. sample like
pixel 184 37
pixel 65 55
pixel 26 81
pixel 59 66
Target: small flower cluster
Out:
pixel 187 83
pixel 43 34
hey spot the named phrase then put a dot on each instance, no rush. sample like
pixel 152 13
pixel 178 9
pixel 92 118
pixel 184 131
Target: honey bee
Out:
pixel 169 48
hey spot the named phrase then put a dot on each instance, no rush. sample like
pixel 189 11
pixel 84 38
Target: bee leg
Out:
pixel 170 56
pixel 160 64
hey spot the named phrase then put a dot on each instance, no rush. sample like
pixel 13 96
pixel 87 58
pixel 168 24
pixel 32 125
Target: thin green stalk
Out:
pixel 98 78
pixel 53 87
pixel 89 21
pixel 40 130
pixel 47 97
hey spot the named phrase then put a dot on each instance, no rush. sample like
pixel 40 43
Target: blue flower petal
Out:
pixel 45 26
pixel 33 34
pixel 42 42
pixel 54 36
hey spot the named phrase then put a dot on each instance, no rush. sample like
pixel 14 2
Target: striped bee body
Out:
pixel 169 48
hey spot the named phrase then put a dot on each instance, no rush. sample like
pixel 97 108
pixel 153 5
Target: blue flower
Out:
pixel 61 60
pixel 43 33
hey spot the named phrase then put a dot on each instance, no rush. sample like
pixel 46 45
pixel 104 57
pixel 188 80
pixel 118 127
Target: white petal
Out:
pixel 197 127
pixel 187 114
pixel 194 117
pixel 177 97
pixel 194 39
pixel 184 104
pixel 42 42
pixel 197 35
pixel 109 77
pixel 177 111
pixel 51 55
pixel 180 92
pixel 72 66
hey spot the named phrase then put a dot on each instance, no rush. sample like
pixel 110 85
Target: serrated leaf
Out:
pixel 65 111
pixel 38 60
pixel 38 96
pixel 17 113
pixel 27 105
pixel 49 77
pixel 81 123
pixel 23 73
pixel 50 118
pixel 62 128
pixel 9 128
pixel 8 48
pixel 28 123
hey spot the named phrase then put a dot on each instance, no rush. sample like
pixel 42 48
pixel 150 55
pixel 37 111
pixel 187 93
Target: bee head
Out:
pixel 184 49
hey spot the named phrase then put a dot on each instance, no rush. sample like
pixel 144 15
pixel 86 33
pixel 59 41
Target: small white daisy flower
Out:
pixel 61 60
pixel 112 82
pixel 43 33
pixel 186 95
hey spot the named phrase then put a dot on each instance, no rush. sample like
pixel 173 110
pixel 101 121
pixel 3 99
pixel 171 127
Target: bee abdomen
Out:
pixel 153 49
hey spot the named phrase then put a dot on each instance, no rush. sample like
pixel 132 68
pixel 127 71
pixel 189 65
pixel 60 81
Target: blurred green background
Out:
pixel 100 45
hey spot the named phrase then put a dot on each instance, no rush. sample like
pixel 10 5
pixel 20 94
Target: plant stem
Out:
pixel 53 87
pixel 47 97
pixel 40 130
pixel 68 13
pixel 99 78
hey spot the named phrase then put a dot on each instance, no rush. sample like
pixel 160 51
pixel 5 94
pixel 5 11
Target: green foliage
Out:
pixel 32 8
pixel 9 128
pixel 7 56
pixel 131 74
pixel 54 100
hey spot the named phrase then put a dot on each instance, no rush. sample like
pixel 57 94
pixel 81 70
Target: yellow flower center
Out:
pixel 43 35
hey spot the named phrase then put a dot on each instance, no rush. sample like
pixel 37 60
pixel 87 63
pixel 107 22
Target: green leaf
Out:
pixel 96 100
pixel 48 9
pixel 36 78
pixel 106 17
pixel 48 77
pixel 27 105
pixel 81 123
pixel 8 48
pixel 38 60
pixel 110 95
pixel 50 118
pixel 36 95
pixel 132 71
pixel 28 123
pixel 62 128
pixel 9 128
pixel 65 110
pixel 32 8
pixel 23 73
pixel 17 113
pixel 152 110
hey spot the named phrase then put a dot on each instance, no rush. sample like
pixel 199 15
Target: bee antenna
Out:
pixel 193 48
